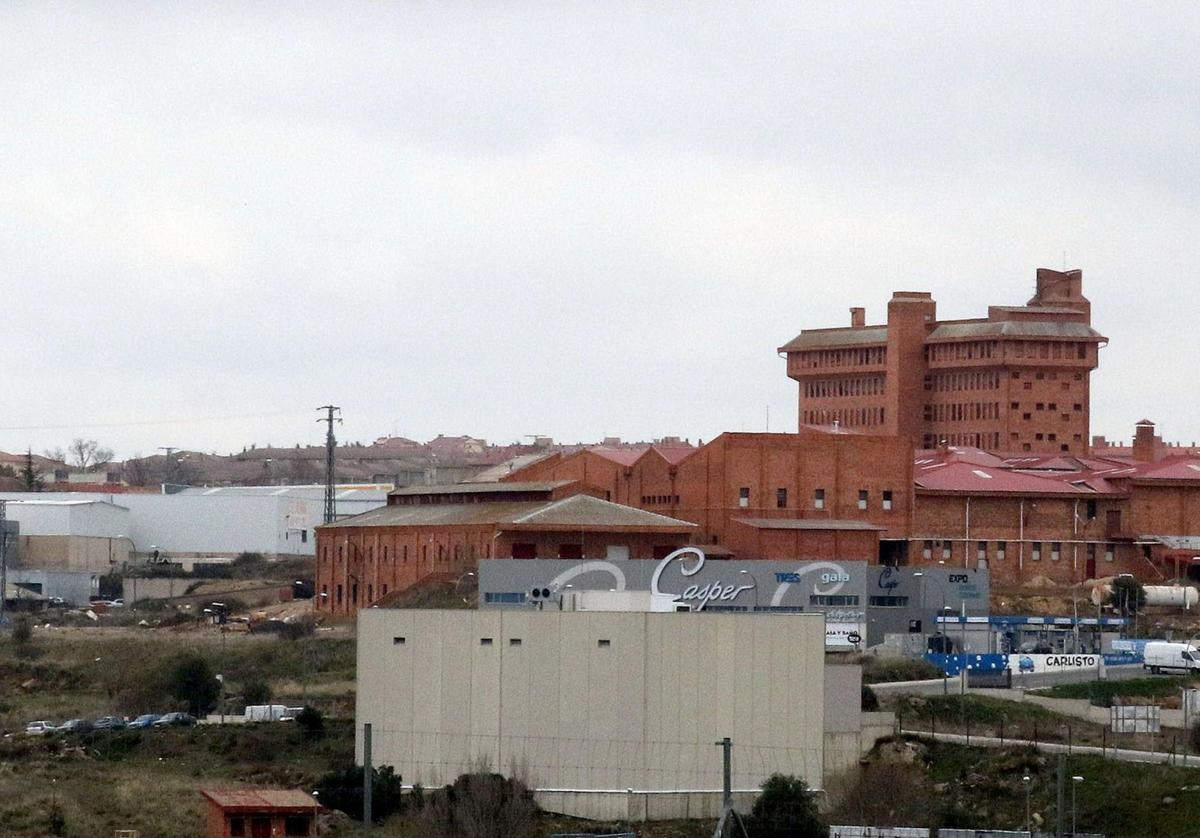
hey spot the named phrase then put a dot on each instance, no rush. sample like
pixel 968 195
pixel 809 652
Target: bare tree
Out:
pixel 87 454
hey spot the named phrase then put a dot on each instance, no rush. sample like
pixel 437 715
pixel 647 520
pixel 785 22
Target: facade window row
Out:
pixel 962 412
pixel 989 441
pixel 870 385
pixel 852 416
pixel 659 500
pixel 866 356
pixel 968 351
pixel 945 549
pixel 886 499
pixel 948 382
pixel 1049 350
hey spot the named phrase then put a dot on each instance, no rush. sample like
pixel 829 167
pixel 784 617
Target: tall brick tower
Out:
pixel 1017 380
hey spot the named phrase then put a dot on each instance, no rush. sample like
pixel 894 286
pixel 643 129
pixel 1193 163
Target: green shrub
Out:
pixel 191 680
pixel 787 808
pixel 256 691
pixel 343 790
pixel 311 722
pixel 870 702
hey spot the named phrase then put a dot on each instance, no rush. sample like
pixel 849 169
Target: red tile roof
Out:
pixel 261 800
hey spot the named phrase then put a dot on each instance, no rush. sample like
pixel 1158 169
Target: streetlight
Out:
pixel 316 809
pixel 1028 781
pixel 755 578
pixel 456 584
pixel 1075 781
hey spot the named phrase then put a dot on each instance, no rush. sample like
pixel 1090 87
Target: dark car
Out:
pixel 109 723
pixel 176 720
pixel 143 721
pixel 76 726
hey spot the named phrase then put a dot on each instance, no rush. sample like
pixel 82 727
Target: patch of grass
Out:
pixel 1103 693
pixel 878 670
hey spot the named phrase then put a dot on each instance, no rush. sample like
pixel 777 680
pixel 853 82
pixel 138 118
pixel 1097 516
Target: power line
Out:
pixel 146 422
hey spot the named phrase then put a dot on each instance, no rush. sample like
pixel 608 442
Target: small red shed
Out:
pixel 261 813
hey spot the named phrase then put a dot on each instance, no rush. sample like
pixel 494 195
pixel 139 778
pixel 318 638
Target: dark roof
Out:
pixel 822 338
pixel 809 524
pixel 577 513
pixel 483 488
pixel 260 800
pixel 1015 328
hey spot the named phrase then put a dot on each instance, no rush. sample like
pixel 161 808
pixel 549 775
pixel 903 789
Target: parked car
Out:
pixel 109 723
pixel 76 726
pixel 143 721
pixel 116 603
pixel 57 602
pixel 176 720
pixel 39 728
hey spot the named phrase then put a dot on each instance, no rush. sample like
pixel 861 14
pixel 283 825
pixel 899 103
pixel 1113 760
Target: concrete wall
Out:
pixel 549 700
pixel 74 587
pixel 68 552
pixel 135 589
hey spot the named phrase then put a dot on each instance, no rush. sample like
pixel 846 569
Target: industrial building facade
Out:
pixel 1017 380
pixel 588 706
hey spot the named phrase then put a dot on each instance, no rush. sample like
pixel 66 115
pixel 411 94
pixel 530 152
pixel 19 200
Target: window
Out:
pixel 981 551
pixel 303 536
pixel 504 598
pixel 296 826
pixel 570 551
pixel 819 499
pixel 237 827
pixel 832 599
pixel 1091 510
pixel 889 601
pixel 339 593
pixel 862 499
pixel 781 498
pixel 887 501
pixel 1055 550
pixel 1036 553
pixel 947 549
pixel 927 550
pixel 603 644
pixel 514 641
pixel 1108 552
pixel 744 497
pixel 485 641
pixel 1001 549
pixel 524 551
pixel 398 641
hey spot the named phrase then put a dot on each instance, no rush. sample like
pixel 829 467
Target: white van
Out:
pixel 1179 656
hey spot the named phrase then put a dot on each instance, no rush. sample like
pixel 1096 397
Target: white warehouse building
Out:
pixel 276 521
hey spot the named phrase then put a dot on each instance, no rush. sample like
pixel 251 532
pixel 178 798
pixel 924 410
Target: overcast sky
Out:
pixel 575 220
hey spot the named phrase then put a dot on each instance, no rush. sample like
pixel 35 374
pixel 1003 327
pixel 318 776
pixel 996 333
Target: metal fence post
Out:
pixel 368 776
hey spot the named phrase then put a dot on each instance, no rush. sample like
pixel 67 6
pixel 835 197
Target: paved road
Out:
pixel 1121 754
pixel 1027 680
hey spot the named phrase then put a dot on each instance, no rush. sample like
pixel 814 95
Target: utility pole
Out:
pixel 368 777
pixel 167 452
pixel 726 746
pixel 3 558
pixel 1062 781
pixel 330 417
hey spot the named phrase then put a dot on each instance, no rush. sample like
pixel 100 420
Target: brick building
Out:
pixel 1017 380
pixel 442 532
pixel 815 494
pixel 846 495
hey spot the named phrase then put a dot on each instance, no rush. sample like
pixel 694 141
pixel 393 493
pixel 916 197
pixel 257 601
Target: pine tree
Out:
pixel 31 476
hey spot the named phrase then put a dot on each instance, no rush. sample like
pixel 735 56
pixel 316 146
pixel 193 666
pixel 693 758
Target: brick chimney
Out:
pixel 1143 442
pixel 858 317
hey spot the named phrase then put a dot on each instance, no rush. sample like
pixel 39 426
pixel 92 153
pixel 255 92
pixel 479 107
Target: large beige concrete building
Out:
pixel 607 715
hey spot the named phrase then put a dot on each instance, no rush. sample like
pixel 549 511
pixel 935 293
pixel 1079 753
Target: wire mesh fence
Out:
pixel 583 763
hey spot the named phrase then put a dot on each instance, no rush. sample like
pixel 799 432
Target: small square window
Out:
pixel 514 641
pixel 819 499
pixel 485 641
pixel 744 497
pixel 887 501
pixel 781 498
pixel 398 641
pixel 603 644
pixel 862 498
